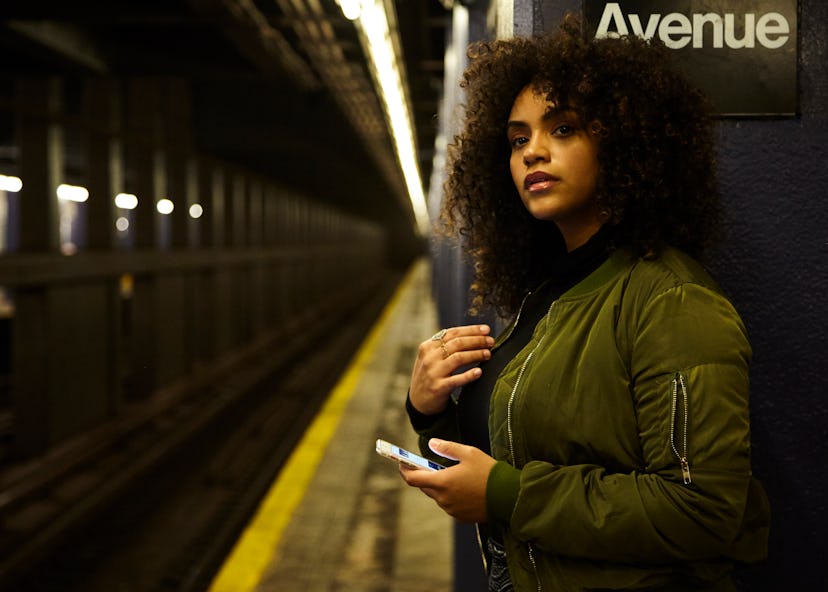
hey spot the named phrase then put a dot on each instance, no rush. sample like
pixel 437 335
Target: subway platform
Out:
pixel 338 517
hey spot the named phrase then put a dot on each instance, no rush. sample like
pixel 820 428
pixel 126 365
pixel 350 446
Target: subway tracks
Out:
pixel 155 503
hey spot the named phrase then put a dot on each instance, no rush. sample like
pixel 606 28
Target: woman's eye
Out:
pixel 518 141
pixel 564 130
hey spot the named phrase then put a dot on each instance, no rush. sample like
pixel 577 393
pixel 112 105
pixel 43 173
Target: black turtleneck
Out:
pixel 473 400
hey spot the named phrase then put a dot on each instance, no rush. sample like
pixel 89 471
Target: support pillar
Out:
pixel 211 190
pixel 144 157
pixel 178 148
pixel 146 179
pixel 40 141
pixel 104 173
pixel 104 179
pixel 238 211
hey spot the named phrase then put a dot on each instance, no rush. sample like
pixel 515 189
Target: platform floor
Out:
pixel 339 517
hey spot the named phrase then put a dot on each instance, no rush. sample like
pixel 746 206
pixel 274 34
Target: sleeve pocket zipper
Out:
pixel 680 385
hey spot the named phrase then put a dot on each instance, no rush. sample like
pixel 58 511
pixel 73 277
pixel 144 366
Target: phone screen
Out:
pixel 402 455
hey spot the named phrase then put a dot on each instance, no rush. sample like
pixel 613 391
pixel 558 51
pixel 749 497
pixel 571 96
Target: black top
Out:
pixel 473 400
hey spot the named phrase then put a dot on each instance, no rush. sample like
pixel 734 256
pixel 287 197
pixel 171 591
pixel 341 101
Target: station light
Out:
pixel 196 211
pixel 10 183
pixel 126 201
pixel 74 193
pixel 164 206
pixel 122 224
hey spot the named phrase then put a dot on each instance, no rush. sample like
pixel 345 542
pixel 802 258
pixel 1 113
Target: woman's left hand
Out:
pixel 460 490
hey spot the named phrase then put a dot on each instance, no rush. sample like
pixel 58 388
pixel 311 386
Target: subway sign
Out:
pixel 742 53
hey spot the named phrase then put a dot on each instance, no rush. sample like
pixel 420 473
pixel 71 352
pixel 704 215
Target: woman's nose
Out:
pixel 534 151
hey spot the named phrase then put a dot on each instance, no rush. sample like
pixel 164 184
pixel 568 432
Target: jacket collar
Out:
pixel 616 263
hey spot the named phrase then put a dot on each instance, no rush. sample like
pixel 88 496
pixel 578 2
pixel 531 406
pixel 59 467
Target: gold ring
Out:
pixel 445 351
pixel 439 335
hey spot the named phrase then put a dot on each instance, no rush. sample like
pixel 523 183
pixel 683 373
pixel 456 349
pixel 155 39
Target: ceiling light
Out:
pixel 375 37
pixel 350 8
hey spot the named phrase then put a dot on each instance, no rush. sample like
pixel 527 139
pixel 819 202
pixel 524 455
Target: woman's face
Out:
pixel 554 165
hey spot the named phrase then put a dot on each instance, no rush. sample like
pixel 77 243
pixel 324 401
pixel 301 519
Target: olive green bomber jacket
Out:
pixel 622 435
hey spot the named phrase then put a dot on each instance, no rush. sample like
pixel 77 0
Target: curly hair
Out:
pixel 656 161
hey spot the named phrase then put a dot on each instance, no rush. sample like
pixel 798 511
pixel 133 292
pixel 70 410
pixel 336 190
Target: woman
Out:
pixel 603 439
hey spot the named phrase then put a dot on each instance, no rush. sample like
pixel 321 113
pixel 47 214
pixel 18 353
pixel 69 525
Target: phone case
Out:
pixel 407 457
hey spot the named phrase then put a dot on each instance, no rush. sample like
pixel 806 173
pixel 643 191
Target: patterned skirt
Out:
pixel 499 580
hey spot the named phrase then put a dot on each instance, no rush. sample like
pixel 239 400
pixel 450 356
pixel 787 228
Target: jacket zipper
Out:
pixel 511 329
pixel 679 384
pixel 510 433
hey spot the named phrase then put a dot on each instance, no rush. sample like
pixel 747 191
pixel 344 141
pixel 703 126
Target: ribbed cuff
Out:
pixel 420 421
pixel 502 490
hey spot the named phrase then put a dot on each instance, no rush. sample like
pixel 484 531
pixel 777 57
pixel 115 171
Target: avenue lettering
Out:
pixel 677 30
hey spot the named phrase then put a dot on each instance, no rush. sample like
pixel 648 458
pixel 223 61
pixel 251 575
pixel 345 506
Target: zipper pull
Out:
pixel 685 470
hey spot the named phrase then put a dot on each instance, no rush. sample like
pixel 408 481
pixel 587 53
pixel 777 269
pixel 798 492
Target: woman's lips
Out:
pixel 539 181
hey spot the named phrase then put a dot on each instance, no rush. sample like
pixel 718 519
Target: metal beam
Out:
pixel 254 37
pixel 64 39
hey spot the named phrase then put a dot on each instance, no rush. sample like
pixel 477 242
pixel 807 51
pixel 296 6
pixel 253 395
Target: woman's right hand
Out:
pixel 433 378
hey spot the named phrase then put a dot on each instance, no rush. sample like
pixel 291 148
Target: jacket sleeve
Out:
pixel 441 425
pixel 686 345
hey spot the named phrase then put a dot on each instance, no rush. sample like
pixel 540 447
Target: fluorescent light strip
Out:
pixel 372 22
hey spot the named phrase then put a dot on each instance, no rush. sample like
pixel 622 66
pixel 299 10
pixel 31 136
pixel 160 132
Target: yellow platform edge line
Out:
pixel 245 565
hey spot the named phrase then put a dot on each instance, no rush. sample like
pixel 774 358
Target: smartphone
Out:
pixel 407 457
